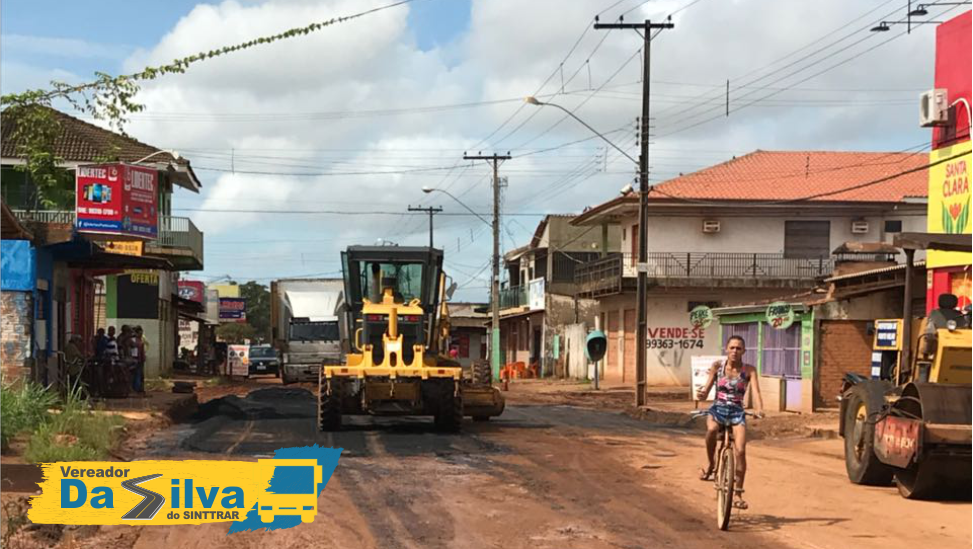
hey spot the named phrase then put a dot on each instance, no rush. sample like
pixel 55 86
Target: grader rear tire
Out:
pixel 482 374
pixel 449 417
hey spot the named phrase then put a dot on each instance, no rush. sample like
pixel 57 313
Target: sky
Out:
pixel 351 122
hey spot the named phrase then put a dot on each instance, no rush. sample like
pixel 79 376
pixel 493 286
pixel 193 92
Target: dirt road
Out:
pixel 541 476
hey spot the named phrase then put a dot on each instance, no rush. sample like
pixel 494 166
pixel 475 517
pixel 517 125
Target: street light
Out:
pixel 534 101
pixel 172 153
pixel 428 190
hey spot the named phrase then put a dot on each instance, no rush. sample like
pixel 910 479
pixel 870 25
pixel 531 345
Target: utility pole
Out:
pixel 431 211
pixel 641 344
pixel 495 285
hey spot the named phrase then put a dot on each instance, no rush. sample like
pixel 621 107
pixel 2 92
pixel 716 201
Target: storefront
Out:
pixel 949 210
pixel 780 343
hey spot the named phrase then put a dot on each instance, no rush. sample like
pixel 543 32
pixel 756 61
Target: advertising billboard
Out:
pixel 193 290
pixel 117 199
pixel 948 209
pixel 233 309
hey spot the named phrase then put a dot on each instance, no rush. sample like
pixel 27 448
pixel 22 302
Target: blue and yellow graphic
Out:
pixel 272 493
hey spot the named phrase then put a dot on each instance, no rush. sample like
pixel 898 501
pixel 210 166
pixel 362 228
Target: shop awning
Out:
pixel 934 241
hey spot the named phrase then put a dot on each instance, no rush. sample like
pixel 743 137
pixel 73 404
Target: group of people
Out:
pixel 127 349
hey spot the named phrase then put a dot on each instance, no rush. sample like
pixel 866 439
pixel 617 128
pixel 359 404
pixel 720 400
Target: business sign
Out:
pixel 117 199
pixel 887 335
pixel 124 247
pixel 233 309
pixel 238 357
pixel 275 493
pixel 701 316
pixel 193 290
pixel 780 315
pixel 948 209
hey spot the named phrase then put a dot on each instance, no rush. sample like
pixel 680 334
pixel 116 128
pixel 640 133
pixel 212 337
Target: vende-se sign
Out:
pixel 117 199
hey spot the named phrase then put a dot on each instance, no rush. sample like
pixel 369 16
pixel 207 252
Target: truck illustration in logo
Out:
pixel 293 489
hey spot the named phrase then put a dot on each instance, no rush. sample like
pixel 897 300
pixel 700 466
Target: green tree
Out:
pixel 258 308
pixel 235 332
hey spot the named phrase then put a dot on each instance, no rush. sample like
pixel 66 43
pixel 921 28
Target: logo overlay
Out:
pixel 276 493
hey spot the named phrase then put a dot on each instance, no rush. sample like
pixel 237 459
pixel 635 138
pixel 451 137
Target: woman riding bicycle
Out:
pixel 732 377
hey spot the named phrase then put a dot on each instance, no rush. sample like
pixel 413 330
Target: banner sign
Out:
pixel 276 493
pixel 233 309
pixel 117 199
pixel 238 357
pixel 193 290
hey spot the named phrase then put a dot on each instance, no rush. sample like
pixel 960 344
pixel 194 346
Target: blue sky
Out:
pixel 376 108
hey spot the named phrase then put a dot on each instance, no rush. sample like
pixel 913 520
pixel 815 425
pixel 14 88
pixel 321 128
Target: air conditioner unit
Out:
pixel 710 226
pixel 859 227
pixel 933 108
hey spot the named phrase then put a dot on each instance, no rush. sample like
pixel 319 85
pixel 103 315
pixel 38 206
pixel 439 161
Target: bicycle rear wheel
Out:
pixel 725 488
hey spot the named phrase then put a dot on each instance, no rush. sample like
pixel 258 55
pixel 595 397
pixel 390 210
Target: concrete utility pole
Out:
pixel 431 211
pixel 641 345
pixel 495 285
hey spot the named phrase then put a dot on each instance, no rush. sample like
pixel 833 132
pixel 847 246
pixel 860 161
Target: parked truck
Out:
pixel 307 325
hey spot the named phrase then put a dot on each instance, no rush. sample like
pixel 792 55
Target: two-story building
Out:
pixel 754 228
pixel 539 298
pixel 76 266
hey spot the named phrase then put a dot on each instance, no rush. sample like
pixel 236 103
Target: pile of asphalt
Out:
pixel 270 403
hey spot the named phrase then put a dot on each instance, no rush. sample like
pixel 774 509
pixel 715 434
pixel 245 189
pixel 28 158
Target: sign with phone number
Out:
pixel 675 337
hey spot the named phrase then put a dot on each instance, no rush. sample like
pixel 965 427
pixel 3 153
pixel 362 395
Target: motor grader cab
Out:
pixel 395 366
pixel 911 421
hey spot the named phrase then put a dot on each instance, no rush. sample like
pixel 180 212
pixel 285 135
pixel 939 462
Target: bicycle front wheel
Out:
pixel 725 488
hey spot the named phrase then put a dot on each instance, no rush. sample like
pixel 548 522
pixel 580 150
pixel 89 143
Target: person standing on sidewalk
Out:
pixel 141 346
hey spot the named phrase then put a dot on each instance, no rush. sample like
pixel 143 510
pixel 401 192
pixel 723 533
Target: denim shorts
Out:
pixel 725 414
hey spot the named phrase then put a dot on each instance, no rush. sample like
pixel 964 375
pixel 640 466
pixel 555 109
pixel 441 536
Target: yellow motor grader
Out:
pixel 393 363
pixel 911 420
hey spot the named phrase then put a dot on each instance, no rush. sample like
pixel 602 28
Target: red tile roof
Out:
pixel 821 176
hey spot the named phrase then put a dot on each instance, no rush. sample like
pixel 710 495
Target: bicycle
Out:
pixel 724 475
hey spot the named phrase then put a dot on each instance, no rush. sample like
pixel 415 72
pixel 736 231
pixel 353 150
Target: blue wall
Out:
pixel 16 265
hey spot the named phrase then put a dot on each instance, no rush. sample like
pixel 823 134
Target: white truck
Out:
pixel 307 325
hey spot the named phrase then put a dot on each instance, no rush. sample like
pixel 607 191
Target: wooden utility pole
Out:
pixel 641 343
pixel 495 159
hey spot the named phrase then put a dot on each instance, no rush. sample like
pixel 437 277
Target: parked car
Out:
pixel 264 360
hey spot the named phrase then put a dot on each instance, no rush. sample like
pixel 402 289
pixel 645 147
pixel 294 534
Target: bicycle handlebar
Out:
pixel 698 413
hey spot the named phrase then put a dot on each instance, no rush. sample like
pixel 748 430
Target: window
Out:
pixel 807 239
pixel 748 331
pixel 893 225
pixel 404 278
pixel 782 351
pixel 314 331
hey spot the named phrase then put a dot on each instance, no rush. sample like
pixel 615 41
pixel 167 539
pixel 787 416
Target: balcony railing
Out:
pixel 514 296
pixel 608 275
pixel 174 232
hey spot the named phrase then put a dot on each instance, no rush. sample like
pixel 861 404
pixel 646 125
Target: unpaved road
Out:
pixel 540 476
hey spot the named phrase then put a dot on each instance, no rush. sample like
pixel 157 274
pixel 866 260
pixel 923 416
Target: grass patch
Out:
pixel 74 436
pixel 72 433
pixel 216 381
pixel 23 407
